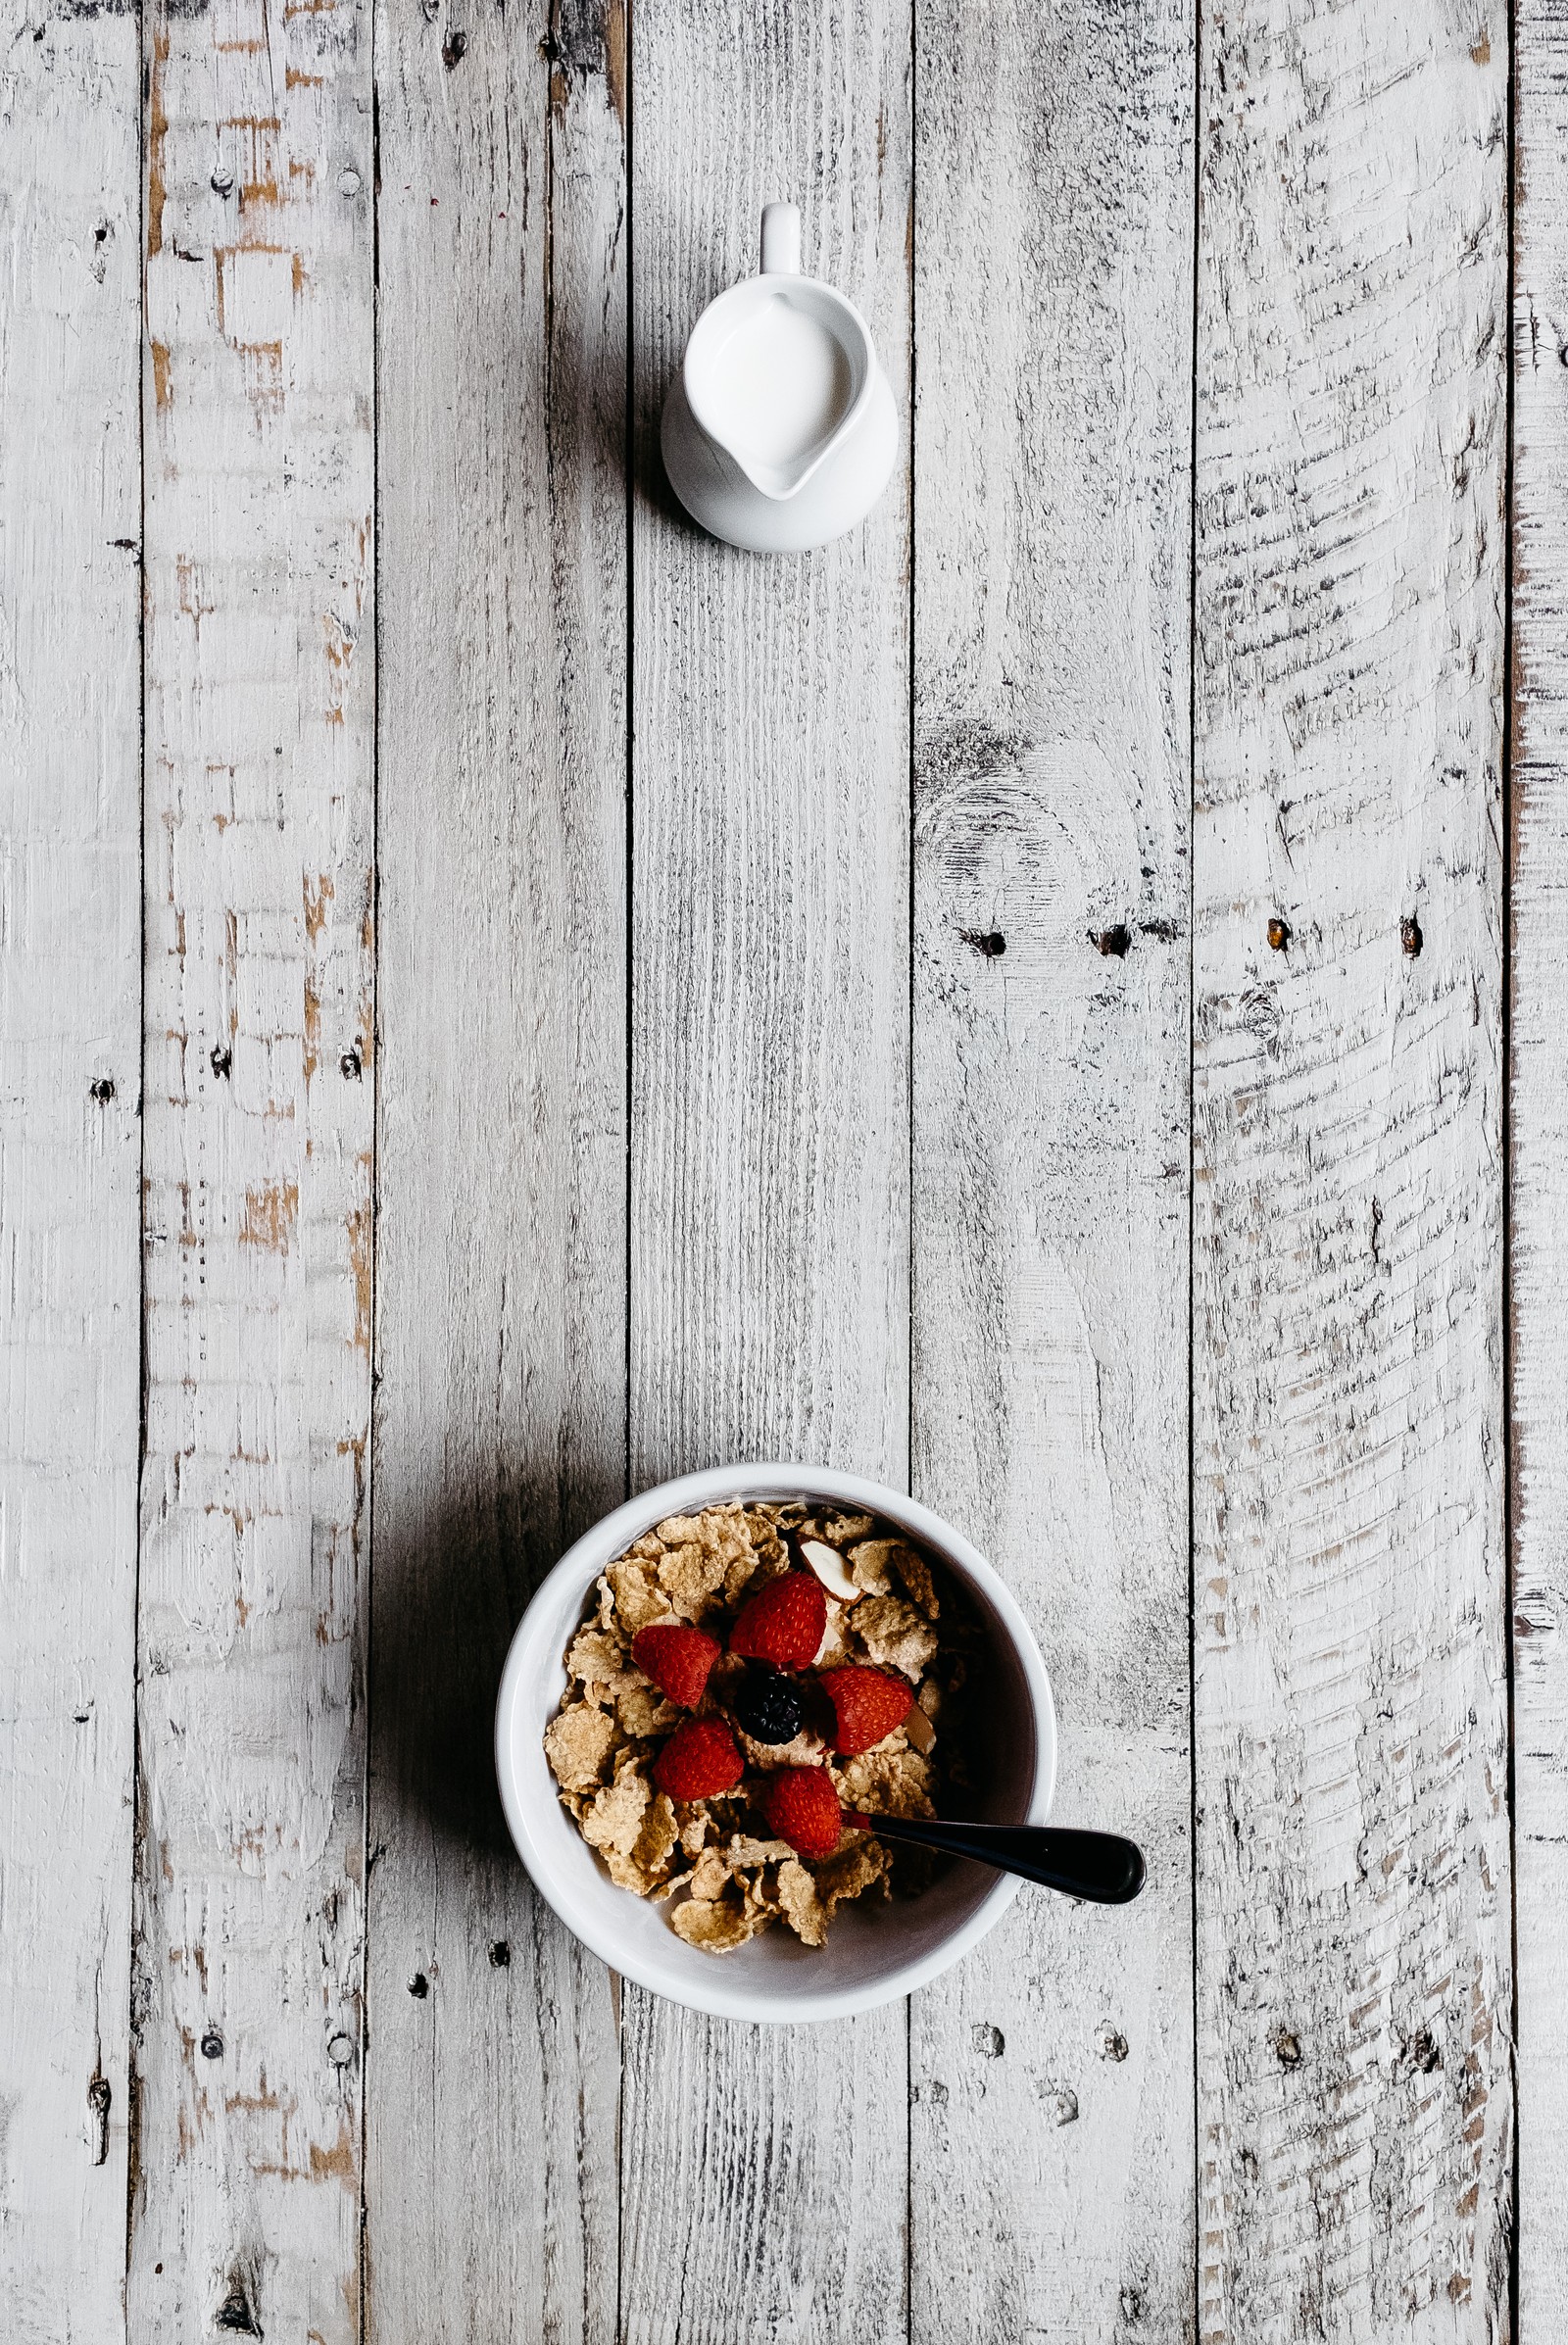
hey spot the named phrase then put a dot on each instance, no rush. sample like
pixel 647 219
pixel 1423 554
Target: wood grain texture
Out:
pixel 501 1249
pixel 769 1080
pixel 1538 1137
pixel 69 1156
pixel 1051 2118
pixel 245 2211
pixel 1355 2099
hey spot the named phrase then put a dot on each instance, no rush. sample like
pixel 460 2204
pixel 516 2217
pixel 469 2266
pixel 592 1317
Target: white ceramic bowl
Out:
pixel 875 1952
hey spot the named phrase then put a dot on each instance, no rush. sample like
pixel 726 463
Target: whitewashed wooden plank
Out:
pixel 490 2170
pixel 69 1154
pixel 258 421
pixel 1539 1152
pixel 1355 2098
pixel 764 2173
pixel 1051 2092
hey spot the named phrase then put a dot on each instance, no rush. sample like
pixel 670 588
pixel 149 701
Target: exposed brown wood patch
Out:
pixel 270 1214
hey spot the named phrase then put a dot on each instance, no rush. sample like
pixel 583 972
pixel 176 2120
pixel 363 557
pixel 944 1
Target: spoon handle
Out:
pixel 1100 1867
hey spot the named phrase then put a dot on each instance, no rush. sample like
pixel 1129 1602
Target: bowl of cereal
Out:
pixel 712 1696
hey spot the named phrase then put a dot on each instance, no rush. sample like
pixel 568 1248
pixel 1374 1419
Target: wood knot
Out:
pixel 235 2312
pixel 1279 936
pixel 988 2041
pixel 1113 2044
pixel 1286 2048
pixel 1424 2051
pixel 1112 942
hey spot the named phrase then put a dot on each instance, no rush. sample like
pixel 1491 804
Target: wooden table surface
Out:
pixel 1057 999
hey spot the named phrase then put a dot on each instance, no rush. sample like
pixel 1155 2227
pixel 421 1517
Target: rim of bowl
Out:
pixel 581 1564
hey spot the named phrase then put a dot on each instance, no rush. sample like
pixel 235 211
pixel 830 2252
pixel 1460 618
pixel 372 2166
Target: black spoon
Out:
pixel 1099 1866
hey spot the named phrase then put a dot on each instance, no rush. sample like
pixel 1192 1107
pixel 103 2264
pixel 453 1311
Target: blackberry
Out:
pixel 768 1707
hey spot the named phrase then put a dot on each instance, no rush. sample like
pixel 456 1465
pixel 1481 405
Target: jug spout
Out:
pixel 781 240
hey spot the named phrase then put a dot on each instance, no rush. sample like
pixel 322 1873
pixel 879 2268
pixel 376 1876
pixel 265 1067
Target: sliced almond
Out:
pixel 828 1565
pixel 919 1729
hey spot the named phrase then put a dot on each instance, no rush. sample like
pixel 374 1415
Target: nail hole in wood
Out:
pixel 499 1955
pixel 1113 2044
pixel 1279 936
pixel 990 943
pixel 419 1985
pixel 1425 2052
pixel 103 1091
pixel 1113 942
pixel 212 2045
pixel 350 1066
pixel 1288 2048
pixel 453 49
pixel 1411 937
pixel 223 1065
pixel 98 2100
pixel 223 182
pixel 340 2051
pixel 988 2041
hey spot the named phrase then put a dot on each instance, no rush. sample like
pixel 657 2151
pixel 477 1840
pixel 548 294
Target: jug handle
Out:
pixel 781 240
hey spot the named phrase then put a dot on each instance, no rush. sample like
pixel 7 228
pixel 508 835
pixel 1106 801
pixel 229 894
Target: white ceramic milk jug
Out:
pixel 779 431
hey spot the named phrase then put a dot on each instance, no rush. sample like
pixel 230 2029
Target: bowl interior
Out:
pixel 874 1951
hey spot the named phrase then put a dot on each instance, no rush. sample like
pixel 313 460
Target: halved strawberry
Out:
pixel 867 1705
pixel 801 1807
pixel 677 1658
pixel 700 1759
pixel 783 1623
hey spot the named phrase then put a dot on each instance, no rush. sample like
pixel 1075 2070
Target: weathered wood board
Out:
pixel 1538 1132
pixel 937 1006
pixel 256 1131
pixel 1052 2100
pixel 1351 1712
pixel 764 2172
pixel 69 1156
pixel 490 2160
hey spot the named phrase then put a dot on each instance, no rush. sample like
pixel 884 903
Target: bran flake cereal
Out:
pixel 732 1878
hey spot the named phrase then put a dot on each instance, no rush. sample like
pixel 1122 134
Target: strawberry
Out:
pixel 801 1807
pixel 700 1760
pixel 867 1705
pixel 677 1659
pixel 783 1623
